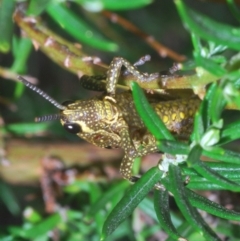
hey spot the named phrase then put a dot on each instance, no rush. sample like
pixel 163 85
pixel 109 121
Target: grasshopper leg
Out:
pixel 131 153
pixel 139 62
pixel 114 72
pixel 109 82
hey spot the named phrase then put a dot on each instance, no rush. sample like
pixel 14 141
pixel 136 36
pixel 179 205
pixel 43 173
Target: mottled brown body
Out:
pixel 111 120
pixel 114 123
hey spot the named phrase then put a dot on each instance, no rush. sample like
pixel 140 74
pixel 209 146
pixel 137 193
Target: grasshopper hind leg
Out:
pixel 132 152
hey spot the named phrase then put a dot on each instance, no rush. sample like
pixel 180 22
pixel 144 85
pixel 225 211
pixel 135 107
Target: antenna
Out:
pixel 48 118
pixel 42 93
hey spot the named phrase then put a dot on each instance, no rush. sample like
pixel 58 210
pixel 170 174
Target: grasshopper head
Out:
pixel 80 116
pixel 91 119
pixel 73 114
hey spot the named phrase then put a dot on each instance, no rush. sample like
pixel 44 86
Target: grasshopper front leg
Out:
pixel 131 153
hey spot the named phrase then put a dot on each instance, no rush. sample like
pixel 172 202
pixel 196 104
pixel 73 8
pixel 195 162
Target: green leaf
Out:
pixel 203 59
pixel 8 198
pixel 208 105
pixel 99 5
pixel 230 132
pixel 32 215
pixel 231 93
pixel 21 50
pixel 198 124
pixel 173 147
pixel 216 103
pixel 130 201
pixel 235 11
pixel 161 206
pixel 8 238
pixel 228 170
pixel 6 24
pixel 77 28
pixel 207 28
pixel 125 4
pixel 198 183
pixel 148 115
pixel 189 212
pixel 221 154
pixel 95 194
pixel 203 203
pixel 209 112
pixel 232 66
pixel 202 116
pixel 194 155
pixel 210 65
pixel 43 227
pixel 215 177
pixel 27 128
pixel 147 207
pixel 210 138
pixel 211 207
pixel 36 7
pixel 104 199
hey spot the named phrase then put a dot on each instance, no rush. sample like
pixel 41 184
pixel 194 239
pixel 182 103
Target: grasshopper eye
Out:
pixel 68 102
pixel 73 128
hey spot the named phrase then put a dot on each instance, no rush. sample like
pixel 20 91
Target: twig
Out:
pixel 64 53
pixel 161 49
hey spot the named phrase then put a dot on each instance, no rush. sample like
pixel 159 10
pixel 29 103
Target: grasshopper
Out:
pixel 111 120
